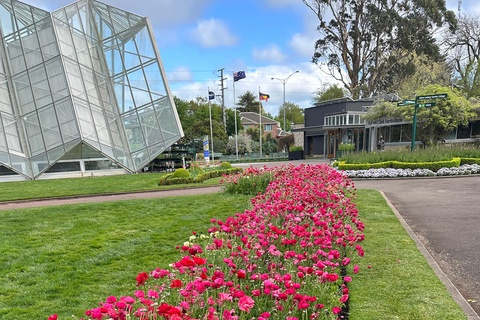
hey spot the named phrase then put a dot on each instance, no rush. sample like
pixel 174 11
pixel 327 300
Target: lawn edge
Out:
pixel 452 290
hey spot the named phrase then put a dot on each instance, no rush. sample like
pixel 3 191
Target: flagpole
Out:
pixel 211 130
pixel 235 109
pixel 260 113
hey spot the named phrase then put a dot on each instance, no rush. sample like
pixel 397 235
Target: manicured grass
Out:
pixel 21 190
pixel 400 284
pixel 66 259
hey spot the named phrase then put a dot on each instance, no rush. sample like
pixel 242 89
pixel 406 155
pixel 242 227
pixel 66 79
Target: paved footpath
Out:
pixel 444 213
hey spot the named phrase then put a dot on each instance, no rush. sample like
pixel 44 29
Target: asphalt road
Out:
pixel 444 213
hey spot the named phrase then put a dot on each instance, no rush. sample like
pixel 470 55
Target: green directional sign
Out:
pixel 426 105
pixel 405 103
pixel 433 96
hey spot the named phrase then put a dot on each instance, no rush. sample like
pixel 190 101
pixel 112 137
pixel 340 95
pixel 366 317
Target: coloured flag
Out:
pixel 211 95
pixel 238 75
pixel 264 96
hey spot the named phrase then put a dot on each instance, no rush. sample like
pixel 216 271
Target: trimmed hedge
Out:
pixel 434 166
pixel 168 179
pixel 469 161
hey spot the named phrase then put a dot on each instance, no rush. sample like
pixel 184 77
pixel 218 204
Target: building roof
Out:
pixel 254 118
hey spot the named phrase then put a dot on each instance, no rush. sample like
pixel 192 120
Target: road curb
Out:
pixel 451 288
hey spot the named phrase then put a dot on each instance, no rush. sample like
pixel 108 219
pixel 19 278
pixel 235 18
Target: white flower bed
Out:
pixel 395 173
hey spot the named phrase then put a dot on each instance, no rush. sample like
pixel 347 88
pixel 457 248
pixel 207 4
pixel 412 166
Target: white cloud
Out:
pixel 180 74
pixel 303 44
pixel 213 33
pixel 161 13
pixel 271 53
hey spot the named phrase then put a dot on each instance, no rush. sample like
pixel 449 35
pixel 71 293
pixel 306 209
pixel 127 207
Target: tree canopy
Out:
pixel 247 102
pixel 328 92
pixel 433 123
pixel 293 113
pixel 361 41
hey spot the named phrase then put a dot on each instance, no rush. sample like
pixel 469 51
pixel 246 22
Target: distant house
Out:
pixel 252 120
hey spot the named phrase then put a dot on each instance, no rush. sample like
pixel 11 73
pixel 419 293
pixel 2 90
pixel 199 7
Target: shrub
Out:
pixel 434 166
pixel 225 165
pixel 346 146
pixel 181 173
pixel 295 148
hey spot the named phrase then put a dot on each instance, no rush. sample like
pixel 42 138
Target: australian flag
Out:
pixel 211 95
pixel 238 75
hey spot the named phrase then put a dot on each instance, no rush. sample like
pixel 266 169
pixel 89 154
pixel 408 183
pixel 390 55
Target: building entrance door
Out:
pixel 331 143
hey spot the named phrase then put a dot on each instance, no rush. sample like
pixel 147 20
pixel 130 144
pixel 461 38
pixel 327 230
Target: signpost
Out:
pixel 420 105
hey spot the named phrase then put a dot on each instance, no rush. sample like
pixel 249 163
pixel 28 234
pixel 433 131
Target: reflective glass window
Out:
pixel 50 128
pixel 57 79
pixel 24 93
pixel 46 37
pixel 40 86
pixel 134 132
pixel 15 53
pixel 33 133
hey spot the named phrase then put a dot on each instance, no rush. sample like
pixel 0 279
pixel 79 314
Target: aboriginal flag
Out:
pixel 264 96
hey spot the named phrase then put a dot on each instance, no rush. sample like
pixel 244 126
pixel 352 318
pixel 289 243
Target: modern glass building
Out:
pixel 82 88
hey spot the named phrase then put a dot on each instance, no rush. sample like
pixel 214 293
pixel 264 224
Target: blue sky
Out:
pixel 264 38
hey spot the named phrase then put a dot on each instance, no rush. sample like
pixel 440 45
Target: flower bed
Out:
pixel 286 258
pixel 397 173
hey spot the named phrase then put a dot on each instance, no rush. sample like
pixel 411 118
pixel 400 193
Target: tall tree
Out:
pixel 463 48
pixel 362 40
pixel 328 92
pixel 433 123
pixel 247 102
pixel 293 113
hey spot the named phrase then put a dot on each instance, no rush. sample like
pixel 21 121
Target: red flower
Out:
pixel 241 274
pixel 141 278
pixel 53 317
pixel 176 284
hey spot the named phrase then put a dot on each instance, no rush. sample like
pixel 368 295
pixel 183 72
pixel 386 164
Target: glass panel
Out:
pixel 104 91
pixel 24 93
pixel 55 154
pixel 156 150
pixel 406 132
pixel 15 52
pixel 395 133
pixel 20 164
pixel 8 24
pixel 85 120
pixel 140 159
pixel 134 131
pixel 47 39
pixel 101 165
pixel 39 15
pixel 64 167
pixel 65 41
pixel 155 80
pixel 73 17
pixel 115 132
pixel 476 129
pixel 74 79
pixel 463 132
pixel 51 131
pixel 23 14
pixel 150 126
pixel 144 45
pixel 41 89
pixel 39 163
pixel 90 85
pixel 350 119
pixel 3 143
pixel 123 94
pixel 5 103
pixel 81 48
pixel 119 19
pixel 167 120
pixel 57 79
pixel 34 134
pixel 31 47
pixel 100 125
pixel 67 120
pixel 12 134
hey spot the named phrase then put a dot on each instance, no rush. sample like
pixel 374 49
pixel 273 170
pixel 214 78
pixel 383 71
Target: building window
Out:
pixel 268 127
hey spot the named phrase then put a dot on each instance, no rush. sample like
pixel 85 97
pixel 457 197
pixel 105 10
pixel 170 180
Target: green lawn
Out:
pixel 21 190
pixel 65 259
pixel 400 283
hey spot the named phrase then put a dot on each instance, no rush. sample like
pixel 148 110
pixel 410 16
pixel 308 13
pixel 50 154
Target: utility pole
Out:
pixel 223 97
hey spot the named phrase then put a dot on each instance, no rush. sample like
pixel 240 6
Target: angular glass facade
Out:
pixel 86 75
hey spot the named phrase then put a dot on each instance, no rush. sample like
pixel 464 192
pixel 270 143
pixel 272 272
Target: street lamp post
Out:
pixel 284 81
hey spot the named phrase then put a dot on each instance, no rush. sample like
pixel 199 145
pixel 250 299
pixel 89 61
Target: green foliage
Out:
pixel 225 165
pixel 295 148
pixel 328 92
pixel 248 185
pixel 197 176
pixel 359 45
pixel 244 145
pixel 434 166
pixel 181 173
pixel 65 259
pixel 346 146
pixel 230 118
pixel 293 113
pixel 247 102
pixel 433 123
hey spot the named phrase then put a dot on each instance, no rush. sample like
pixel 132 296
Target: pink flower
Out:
pixel 139 294
pixel 53 317
pixel 347 279
pixel 336 310
pixel 111 299
pixel 344 298
pixel 185 305
pixel 246 303
pixel 153 294
pixel 265 315
pixel 355 269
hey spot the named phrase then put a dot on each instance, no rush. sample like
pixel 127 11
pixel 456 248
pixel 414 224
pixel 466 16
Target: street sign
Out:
pixel 426 105
pixel 405 103
pixel 434 96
